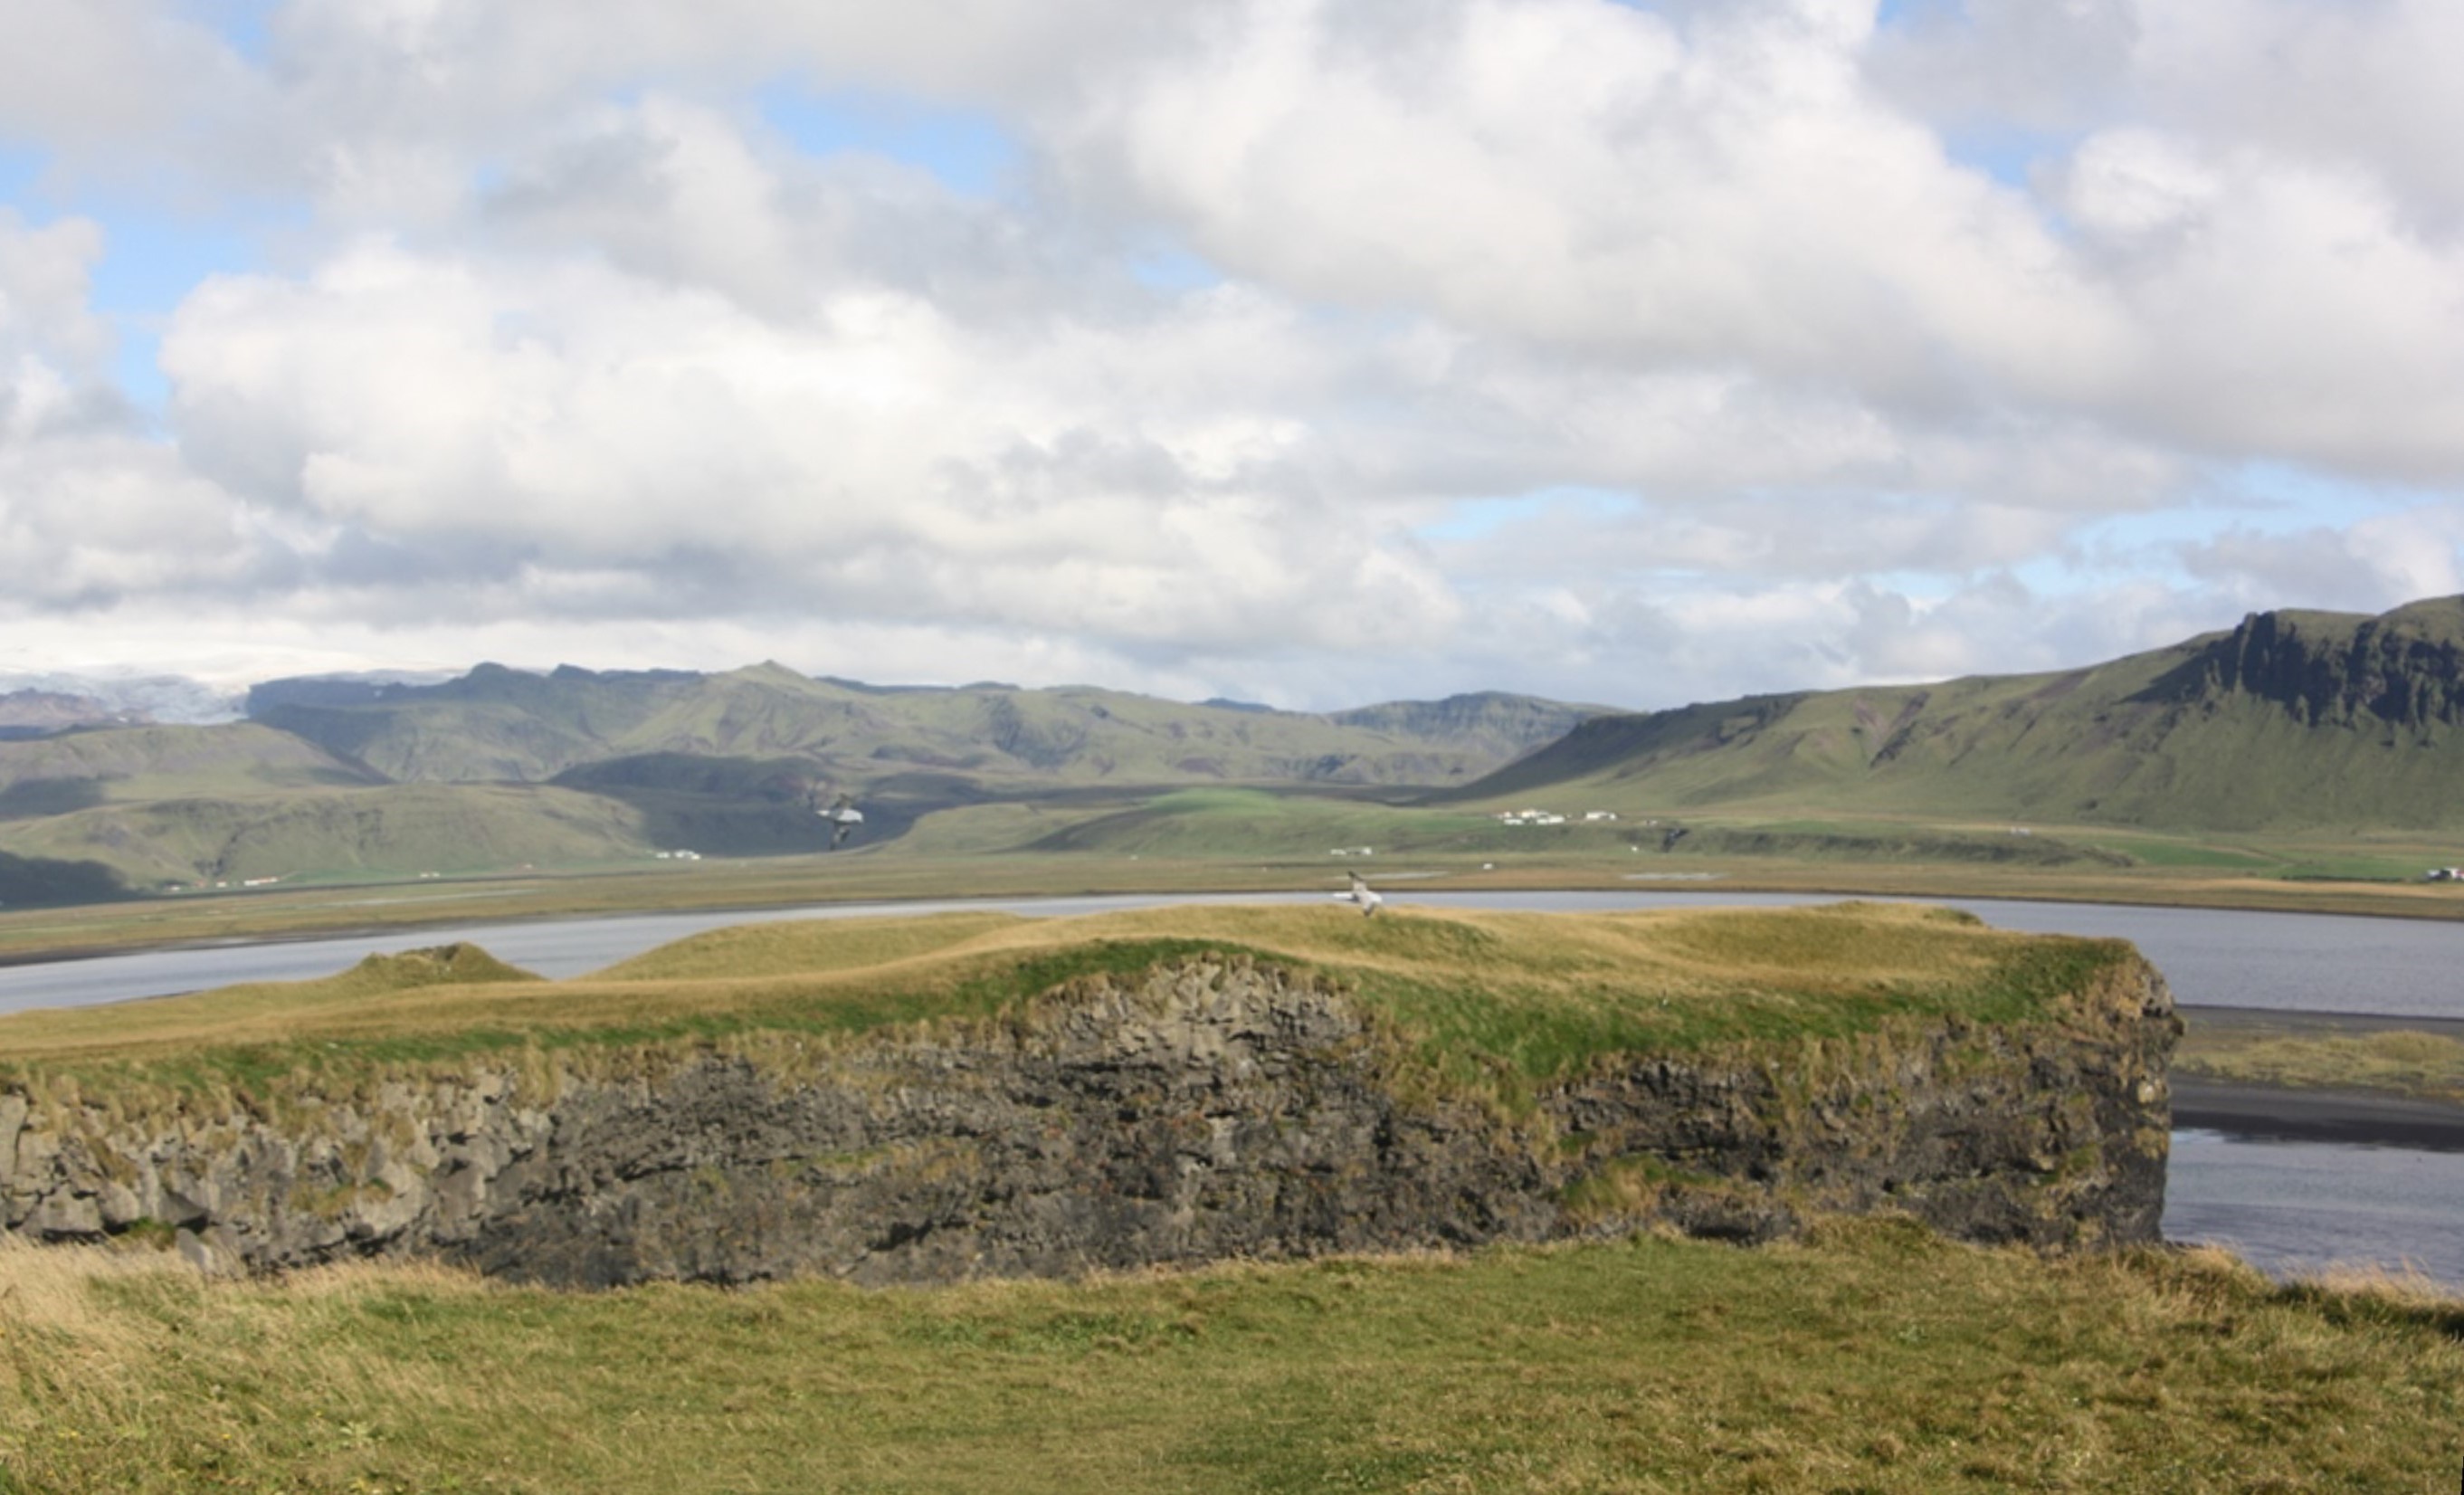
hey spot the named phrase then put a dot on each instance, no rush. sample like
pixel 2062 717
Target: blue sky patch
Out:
pixel 19 171
pixel 967 149
pixel 1478 518
pixel 1173 270
pixel 2006 152
pixel 246 26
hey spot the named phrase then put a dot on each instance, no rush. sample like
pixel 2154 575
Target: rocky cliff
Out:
pixel 2403 672
pixel 1211 1108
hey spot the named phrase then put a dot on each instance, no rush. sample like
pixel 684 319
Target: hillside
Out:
pixel 500 769
pixel 397 830
pixel 31 713
pixel 73 770
pixel 500 724
pixel 2290 721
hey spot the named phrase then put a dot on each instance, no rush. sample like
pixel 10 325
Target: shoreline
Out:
pixel 2297 1113
pixel 2367 1119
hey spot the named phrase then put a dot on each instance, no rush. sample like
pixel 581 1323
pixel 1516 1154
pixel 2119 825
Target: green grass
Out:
pixel 336 834
pixel 1224 824
pixel 125 764
pixel 1870 1357
pixel 1493 1002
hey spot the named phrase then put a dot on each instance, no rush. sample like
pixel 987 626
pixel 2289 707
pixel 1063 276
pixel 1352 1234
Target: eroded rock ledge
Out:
pixel 1213 1108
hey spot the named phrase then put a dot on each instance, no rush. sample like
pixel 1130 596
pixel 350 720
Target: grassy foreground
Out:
pixel 1871 1357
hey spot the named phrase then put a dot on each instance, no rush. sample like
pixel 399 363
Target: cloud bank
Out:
pixel 1303 350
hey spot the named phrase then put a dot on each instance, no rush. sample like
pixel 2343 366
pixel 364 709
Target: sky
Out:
pixel 1311 352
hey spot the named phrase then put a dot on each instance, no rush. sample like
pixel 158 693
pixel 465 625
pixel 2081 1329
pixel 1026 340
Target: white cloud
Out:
pixel 552 422
pixel 2368 566
pixel 1590 177
pixel 569 334
pixel 44 319
pixel 90 510
pixel 2282 308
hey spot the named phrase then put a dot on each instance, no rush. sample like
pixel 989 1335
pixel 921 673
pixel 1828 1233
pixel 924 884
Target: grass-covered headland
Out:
pixel 1494 1002
pixel 1857 1355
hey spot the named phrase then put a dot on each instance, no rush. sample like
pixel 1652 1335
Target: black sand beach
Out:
pixel 2381 1118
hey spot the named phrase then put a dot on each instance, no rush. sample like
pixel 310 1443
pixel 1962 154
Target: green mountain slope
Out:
pixel 501 768
pixel 2290 721
pixel 499 724
pixel 729 806
pixel 73 770
pixel 400 830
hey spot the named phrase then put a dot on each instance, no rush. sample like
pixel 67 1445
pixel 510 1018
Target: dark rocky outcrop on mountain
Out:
pixel 1493 722
pixel 2403 672
pixel 1209 1108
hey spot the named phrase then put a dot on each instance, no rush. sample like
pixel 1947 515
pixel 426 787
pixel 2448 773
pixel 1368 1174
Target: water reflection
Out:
pixel 2295 1207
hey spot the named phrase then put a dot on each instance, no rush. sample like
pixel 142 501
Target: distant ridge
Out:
pixel 496 724
pixel 2290 720
pixel 139 698
pixel 30 713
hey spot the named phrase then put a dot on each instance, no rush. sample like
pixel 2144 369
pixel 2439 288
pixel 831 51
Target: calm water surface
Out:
pixel 2294 1207
pixel 2307 962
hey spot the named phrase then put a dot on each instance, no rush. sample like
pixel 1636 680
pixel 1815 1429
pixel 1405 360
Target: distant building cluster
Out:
pixel 1548 817
pixel 1353 851
pixel 210 885
pixel 679 856
pixel 2444 874
pixel 1529 818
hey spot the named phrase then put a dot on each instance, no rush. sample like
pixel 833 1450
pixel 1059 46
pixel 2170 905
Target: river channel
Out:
pixel 2286 1206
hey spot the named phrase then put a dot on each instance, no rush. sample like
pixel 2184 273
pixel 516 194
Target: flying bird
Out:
pixel 1363 894
pixel 843 815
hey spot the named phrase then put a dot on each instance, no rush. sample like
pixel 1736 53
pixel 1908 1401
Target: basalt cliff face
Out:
pixel 1217 1107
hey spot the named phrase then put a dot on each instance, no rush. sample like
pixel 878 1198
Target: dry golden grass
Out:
pixel 1870 1356
pixel 2430 1065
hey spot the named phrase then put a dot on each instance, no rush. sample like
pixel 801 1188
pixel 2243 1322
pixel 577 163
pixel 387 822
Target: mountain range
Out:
pixel 504 767
pixel 2292 721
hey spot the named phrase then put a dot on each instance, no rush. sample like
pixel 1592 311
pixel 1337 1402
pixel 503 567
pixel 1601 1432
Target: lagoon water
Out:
pixel 2217 958
pixel 2286 1206
pixel 2290 1208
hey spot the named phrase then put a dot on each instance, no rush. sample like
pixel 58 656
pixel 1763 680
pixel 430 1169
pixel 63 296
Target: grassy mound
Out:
pixel 1871 1357
pixel 438 965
